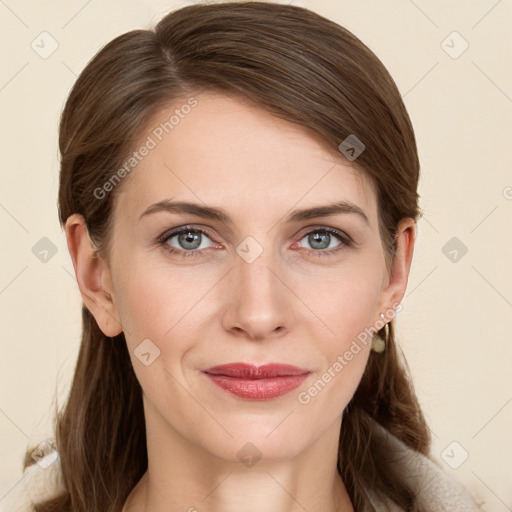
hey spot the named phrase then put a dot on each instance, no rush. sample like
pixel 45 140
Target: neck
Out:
pixel 182 476
pixel 145 496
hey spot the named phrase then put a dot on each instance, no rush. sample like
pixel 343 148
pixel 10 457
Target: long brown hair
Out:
pixel 303 68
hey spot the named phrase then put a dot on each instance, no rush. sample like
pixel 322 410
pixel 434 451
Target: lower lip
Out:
pixel 258 389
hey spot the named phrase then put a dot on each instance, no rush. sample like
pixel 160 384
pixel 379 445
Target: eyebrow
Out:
pixel 221 215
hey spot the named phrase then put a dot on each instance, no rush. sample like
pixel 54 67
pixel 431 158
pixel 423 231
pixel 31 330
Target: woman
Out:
pixel 239 195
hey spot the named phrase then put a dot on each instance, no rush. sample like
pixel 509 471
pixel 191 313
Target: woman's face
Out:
pixel 260 278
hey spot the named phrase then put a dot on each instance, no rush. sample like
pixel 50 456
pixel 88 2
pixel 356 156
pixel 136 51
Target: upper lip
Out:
pixel 250 371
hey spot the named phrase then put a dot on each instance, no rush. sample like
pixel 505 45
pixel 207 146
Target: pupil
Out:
pixel 320 240
pixel 189 240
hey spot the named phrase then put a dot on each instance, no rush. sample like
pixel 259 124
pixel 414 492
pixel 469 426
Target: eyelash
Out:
pixel 163 239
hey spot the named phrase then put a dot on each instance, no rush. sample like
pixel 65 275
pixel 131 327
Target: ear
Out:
pixel 395 283
pixel 93 276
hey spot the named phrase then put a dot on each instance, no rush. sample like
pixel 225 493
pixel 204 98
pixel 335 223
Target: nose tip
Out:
pixel 257 302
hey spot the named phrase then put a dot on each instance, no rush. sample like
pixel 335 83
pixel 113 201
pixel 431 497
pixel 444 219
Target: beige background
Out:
pixel 455 326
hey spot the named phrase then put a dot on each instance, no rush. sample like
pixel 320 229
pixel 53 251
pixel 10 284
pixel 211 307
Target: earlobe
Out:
pixel 91 273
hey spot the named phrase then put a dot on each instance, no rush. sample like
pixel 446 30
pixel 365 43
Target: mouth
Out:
pixel 257 382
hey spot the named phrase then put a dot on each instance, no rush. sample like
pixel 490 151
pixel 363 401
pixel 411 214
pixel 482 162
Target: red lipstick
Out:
pixel 257 382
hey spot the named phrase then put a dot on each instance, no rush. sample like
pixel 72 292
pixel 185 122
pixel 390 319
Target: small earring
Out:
pixel 378 342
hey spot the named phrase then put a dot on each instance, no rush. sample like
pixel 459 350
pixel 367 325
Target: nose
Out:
pixel 259 305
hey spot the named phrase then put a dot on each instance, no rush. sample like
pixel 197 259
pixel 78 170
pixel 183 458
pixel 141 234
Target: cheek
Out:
pixel 154 299
pixel 344 303
pixel 165 306
pixel 344 356
pixel 345 307
pixel 155 304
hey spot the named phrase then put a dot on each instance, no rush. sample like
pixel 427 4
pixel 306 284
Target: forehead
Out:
pixel 228 152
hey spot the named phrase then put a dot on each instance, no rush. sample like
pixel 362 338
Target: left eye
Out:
pixel 322 239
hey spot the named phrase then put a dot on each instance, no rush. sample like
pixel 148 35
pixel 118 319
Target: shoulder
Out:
pixel 435 489
pixel 40 480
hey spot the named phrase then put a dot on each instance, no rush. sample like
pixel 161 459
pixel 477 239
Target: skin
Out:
pixel 289 306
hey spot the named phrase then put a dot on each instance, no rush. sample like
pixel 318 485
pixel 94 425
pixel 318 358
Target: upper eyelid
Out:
pixel 176 231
